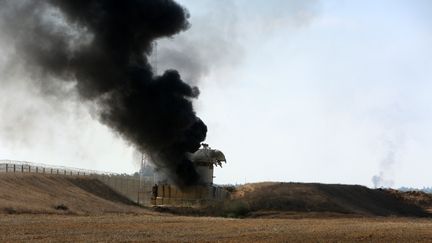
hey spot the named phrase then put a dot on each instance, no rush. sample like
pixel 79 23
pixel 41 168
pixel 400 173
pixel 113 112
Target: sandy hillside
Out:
pixel 59 194
pixel 314 197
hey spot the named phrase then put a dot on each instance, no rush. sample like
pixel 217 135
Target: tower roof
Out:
pixel 208 155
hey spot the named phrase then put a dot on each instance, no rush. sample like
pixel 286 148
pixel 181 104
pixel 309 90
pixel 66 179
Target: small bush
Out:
pixel 230 189
pixel 10 210
pixel 236 209
pixel 61 207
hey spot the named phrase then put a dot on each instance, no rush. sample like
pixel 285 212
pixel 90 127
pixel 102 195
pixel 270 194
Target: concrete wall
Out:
pixel 197 195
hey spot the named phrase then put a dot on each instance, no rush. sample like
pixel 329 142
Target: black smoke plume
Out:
pixel 103 46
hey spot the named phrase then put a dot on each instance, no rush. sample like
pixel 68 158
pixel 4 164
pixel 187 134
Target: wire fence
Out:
pixel 129 186
pixel 12 166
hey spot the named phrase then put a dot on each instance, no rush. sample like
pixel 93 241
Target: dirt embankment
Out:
pixel 53 194
pixel 266 198
pixel 421 199
pixel 59 195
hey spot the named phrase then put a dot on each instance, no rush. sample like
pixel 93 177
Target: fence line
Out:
pixel 13 166
pixel 127 185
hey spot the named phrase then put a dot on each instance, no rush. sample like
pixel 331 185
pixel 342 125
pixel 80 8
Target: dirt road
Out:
pixel 153 227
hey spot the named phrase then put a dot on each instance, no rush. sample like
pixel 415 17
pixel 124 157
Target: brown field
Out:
pixel 147 228
pixel 79 209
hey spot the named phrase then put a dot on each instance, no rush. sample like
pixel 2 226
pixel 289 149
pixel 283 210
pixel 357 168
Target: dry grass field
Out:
pixel 155 228
pixel 78 209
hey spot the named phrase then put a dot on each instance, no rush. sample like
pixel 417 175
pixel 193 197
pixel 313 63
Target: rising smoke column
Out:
pixel 102 46
pixel 393 145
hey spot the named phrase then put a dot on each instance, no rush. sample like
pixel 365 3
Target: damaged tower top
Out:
pixel 204 160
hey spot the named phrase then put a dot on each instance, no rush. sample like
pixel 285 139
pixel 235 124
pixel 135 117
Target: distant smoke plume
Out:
pixel 380 181
pixel 384 178
pixel 100 47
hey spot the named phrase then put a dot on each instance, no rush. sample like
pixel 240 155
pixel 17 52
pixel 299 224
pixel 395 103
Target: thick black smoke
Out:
pixel 103 45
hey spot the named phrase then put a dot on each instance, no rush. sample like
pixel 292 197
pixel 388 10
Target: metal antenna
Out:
pixel 155 60
pixel 155 67
pixel 144 158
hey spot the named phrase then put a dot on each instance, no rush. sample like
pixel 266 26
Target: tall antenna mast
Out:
pixel 155 58
pixel 155 68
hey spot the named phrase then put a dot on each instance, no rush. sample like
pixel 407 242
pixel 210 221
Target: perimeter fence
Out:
pixel 130 186
pixel 12 166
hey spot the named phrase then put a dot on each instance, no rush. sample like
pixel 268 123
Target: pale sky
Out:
pixel 327 91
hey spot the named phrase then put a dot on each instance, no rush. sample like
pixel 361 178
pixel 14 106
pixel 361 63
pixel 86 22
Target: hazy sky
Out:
pixel 326 91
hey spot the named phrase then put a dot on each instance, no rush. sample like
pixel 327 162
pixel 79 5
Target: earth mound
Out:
pixel 53 194
pixel 422 199
pixel 261 199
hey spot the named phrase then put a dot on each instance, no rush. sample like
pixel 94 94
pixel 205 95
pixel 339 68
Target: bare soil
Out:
pixel 166 228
